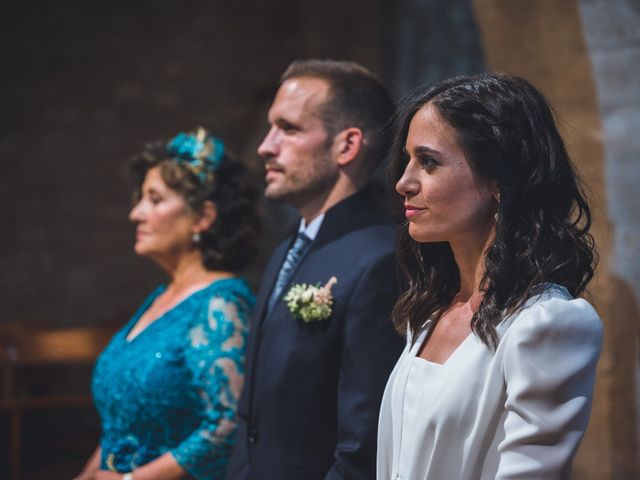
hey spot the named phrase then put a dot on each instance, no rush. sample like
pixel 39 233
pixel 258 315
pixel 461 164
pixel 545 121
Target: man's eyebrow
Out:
pixel 285 122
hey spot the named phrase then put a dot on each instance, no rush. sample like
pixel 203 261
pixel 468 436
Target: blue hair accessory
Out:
pixel 200 152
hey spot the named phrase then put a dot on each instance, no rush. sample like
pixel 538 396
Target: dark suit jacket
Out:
pixel 309 409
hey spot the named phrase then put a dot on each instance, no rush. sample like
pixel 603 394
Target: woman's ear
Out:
pixel 206 216
pixel 348 144
pixel 495 190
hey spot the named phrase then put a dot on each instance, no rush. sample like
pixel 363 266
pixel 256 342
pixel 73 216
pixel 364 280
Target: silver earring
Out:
pixel 495 215
pixel 195 238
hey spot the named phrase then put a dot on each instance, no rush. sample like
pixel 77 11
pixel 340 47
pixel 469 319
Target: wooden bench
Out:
pixel 24 348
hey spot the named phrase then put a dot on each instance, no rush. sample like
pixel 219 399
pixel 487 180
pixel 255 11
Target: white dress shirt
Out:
pixel 518 412
pixel 312 229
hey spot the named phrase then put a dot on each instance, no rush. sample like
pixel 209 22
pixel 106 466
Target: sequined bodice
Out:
pixel 174 386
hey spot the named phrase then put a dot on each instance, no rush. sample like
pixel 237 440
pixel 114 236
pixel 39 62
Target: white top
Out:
pixel 518 412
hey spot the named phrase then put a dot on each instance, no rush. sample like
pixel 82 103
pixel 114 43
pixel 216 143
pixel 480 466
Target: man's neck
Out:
pixel 321 204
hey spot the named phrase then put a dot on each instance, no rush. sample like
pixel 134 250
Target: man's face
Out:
pixel 299 163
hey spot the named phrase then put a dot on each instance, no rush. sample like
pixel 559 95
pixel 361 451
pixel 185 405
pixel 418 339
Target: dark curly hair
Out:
pixel 231 242
pixel 507 131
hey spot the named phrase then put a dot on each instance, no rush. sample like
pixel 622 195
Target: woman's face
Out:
pixel 444 200
pixel 165 221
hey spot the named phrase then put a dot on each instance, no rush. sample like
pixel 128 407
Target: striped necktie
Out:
pixel 289 265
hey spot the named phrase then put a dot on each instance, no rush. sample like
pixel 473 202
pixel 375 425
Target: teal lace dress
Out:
pixel 174 387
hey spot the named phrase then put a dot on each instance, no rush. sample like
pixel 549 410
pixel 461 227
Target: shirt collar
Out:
pixel 311 230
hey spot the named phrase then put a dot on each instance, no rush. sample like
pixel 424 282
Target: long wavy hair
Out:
pixel 507 131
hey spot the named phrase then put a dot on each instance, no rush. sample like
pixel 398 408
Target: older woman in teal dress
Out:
pixel 166 386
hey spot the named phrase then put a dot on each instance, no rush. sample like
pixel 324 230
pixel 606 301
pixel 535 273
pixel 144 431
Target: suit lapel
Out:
pixel 285 288
pixel 339 220
pixel 269 280
pixel 259 314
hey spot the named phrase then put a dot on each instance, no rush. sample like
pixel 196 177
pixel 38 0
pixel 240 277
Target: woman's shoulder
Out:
pixel 218 311
pixel 229 297
pixel 233 289
pixel 553 312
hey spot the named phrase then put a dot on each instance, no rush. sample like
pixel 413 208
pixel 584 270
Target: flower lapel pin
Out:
pixel 311 303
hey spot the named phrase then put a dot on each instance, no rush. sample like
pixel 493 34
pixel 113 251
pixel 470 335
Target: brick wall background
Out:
pixel 85 84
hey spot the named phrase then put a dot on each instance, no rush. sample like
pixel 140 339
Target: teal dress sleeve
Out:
pixel 214 355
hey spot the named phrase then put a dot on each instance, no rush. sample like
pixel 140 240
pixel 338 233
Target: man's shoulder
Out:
pixel 370 232
pixel 370 239
pixel 357 219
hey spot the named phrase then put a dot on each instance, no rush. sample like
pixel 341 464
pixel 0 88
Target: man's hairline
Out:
pixel 329 92
pixel 319 113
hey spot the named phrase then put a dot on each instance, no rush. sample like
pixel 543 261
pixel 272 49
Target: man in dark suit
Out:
pixel 313 383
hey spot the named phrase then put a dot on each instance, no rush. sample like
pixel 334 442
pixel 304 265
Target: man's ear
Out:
pixel 206 216
pixel 347 145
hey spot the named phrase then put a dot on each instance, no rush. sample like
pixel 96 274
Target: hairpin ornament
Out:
pixel 200 151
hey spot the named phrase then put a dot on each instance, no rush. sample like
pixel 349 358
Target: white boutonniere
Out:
pixel 311 303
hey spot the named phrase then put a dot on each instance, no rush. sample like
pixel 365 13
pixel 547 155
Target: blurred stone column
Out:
pixel 543 41
pixel 434 40
pixel 612 33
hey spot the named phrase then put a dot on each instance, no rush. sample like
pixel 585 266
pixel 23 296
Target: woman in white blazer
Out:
pixel 497 376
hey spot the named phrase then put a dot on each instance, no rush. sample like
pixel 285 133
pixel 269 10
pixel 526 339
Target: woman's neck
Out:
pixel 470 256
pixel 188 272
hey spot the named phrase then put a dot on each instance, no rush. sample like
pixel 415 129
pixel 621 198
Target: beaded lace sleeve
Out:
pixel 215 355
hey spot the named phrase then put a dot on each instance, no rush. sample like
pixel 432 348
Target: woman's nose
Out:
pixel 407 184
pixel 134 214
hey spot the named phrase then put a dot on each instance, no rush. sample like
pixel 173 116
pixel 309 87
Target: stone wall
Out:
pixel 584 57
pixel 612 33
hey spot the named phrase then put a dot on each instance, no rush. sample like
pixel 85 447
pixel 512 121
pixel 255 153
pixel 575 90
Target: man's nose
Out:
pixel 269 146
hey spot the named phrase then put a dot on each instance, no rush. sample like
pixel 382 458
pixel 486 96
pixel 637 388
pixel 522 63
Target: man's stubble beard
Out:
pixel 299 190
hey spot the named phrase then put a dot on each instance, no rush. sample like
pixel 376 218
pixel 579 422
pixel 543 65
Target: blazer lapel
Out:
pixel 259 314
pixel 339 220
pixel 269 280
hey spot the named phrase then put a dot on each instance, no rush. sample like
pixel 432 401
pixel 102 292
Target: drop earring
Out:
pixel 495 215
pixel 195 238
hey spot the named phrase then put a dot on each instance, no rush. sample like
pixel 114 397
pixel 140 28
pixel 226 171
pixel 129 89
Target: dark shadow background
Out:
pixel 85 84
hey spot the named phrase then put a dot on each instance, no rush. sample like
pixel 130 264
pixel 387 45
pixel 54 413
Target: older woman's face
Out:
pixel 165 223
pixel 444 199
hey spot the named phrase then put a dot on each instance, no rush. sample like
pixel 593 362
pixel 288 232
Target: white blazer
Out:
pixel 518 412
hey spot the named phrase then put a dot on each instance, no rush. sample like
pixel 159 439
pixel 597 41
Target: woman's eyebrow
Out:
pixel 423 149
